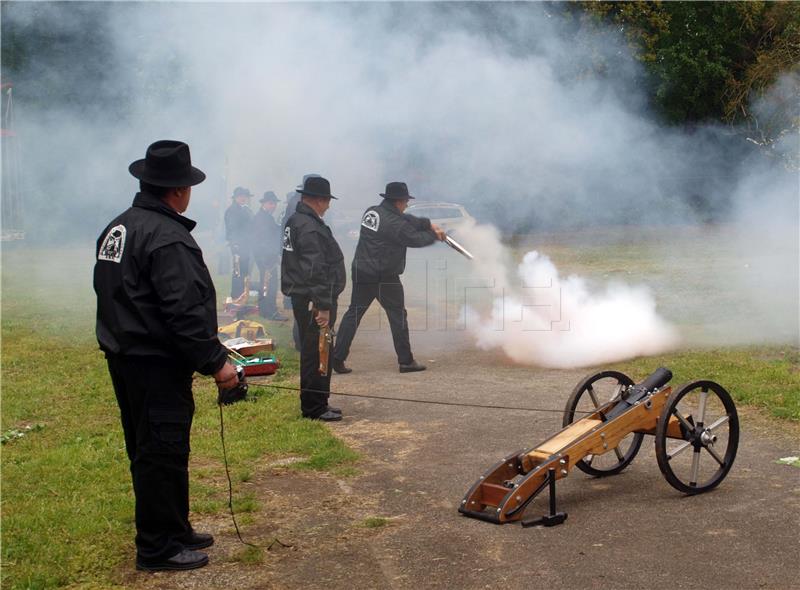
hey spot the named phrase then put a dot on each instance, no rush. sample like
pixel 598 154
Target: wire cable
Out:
pixel 417 400
pixel 357 395
pixel 230 491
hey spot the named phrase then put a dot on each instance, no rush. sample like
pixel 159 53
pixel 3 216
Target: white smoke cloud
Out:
pixel 265 93
pixel 467 103
pixel 495 106
pixel 540 318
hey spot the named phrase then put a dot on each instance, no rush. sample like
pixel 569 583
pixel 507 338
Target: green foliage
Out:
pixel 642 23
pixel 705 45
pixel 708 60
pixel 776 50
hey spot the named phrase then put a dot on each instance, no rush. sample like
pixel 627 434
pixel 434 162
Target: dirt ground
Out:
pixel 628 531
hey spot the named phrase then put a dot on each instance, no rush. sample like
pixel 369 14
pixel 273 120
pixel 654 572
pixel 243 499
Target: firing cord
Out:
pixel 275 541
pixel 417 400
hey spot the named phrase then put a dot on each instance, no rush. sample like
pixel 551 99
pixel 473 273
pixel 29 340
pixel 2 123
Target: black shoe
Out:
pixel 197 541
pixel 412 367
pixel 185 560
pixel 328 416
pixel 334 410
pixel 340 367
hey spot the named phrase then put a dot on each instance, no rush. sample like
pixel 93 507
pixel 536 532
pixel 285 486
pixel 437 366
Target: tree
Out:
pixel 708 60
pixel 767 94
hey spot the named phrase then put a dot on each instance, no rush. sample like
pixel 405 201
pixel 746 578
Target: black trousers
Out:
pixel 313 386
pixel 156 407
pixel 392 298
pixel 266 301
pixel 237 281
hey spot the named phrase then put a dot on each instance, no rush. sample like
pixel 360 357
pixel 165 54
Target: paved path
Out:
pixel 628 531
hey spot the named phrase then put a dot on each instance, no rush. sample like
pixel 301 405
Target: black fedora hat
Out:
pixel 241 191
pixel 306 177
pixel 396 190
pixel 316 186
pixel 269 196
pixel 167 163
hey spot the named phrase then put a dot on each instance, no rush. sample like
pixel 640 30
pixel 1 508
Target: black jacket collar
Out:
pixel 388 205
pixel 153 203
pixel 306 210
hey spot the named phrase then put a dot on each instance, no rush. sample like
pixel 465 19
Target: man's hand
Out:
pixel 226 377
pixel 440 234
pixel 323 317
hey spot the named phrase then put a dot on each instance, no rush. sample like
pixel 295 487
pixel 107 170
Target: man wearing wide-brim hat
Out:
pixel 380 258
pixel 313 275
pixel 266 244
pixel 292 199
pixel 238 220
pixel 157 324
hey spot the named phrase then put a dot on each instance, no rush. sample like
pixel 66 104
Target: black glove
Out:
pixel 233 394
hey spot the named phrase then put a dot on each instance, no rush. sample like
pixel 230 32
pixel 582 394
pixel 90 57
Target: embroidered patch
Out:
pixel 113 244
pixel 371 220
pixel 287 239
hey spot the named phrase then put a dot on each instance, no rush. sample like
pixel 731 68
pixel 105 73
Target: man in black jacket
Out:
pixel 313 275
pixel 292 199
pixel 157 324
pixel 238 218
pixel 380 259
pixel 266 247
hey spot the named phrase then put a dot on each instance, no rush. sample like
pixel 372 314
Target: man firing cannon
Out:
pixel 157 325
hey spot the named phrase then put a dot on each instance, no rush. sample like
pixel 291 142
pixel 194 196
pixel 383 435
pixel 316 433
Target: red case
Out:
pixel 267 368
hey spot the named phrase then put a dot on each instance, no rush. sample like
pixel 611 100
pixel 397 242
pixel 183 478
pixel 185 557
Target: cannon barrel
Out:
pixel 657 379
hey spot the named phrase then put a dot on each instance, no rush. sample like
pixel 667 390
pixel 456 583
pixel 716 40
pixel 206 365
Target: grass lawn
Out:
pixel 764 377
pixel 67 505
pixel 703 281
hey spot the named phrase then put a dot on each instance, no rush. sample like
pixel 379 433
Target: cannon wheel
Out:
pixel 587 397
pixel 710 429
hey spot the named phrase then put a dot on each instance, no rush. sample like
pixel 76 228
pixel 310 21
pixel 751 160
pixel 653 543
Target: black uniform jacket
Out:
pixel 265 239
pixel 292 199
pixel 385 235
pixel 155 296
pixel 312 264
pixel 237 224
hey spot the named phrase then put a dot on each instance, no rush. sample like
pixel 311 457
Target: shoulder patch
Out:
pixel 371 220
pixel 287 239
pixel 113 244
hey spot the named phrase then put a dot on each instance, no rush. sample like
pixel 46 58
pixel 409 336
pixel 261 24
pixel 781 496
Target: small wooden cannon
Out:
pixel 696 432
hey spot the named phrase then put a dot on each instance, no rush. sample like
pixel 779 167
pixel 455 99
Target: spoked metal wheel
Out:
pixel 697 437
pixel 591 393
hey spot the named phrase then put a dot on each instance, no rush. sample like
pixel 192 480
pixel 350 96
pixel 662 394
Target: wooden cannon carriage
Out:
pixel 696 432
